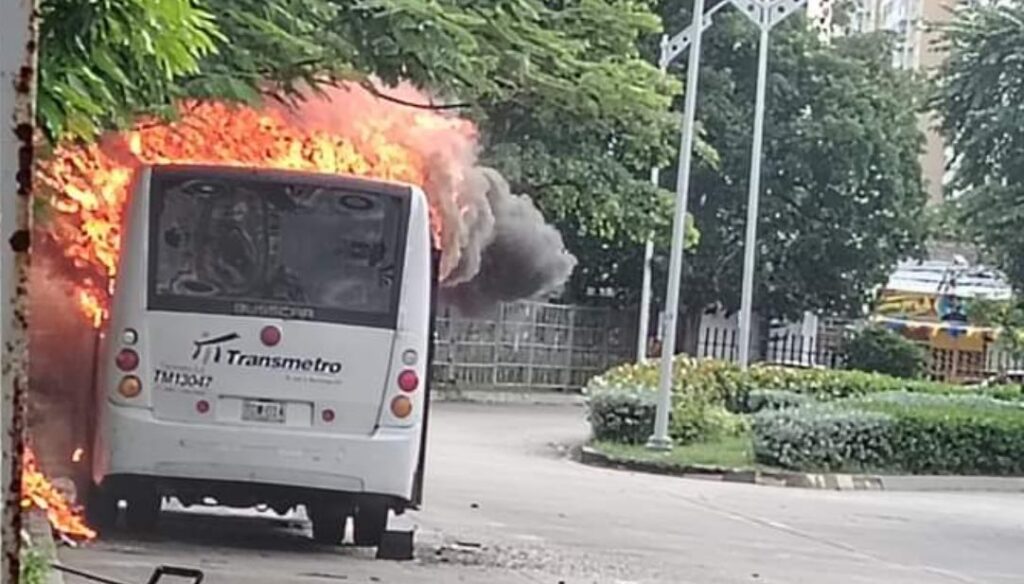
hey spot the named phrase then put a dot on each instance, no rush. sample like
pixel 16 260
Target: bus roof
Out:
pixel 373 185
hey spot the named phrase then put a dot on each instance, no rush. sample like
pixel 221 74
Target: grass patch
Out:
pixel 731 452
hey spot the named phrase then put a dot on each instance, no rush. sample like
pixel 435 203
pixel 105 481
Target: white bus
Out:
pixel 268 345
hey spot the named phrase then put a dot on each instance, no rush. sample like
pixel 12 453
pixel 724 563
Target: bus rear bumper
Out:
pixel 139 445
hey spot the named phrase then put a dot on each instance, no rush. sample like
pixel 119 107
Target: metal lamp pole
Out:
pixel 660 440
pixel 670 50
pixel 765 15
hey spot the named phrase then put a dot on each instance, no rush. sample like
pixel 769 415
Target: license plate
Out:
pixel 263 411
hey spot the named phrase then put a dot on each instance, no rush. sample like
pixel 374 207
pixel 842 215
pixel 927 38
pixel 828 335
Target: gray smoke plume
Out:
pixel 520 257
pixel 495 245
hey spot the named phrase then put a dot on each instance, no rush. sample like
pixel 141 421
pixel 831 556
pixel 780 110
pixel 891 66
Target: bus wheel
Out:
pixel 328 523
pixel 143 511
pixel 371 520
pixel 101 508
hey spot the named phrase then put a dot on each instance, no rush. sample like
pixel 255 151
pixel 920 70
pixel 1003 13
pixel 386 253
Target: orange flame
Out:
pixel 38 492
pixel 346 132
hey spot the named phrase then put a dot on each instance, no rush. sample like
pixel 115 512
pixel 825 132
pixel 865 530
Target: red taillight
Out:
pixel 202 406
pixel 327 415
pixel 408 380
pixel 270 335
pixel 127 360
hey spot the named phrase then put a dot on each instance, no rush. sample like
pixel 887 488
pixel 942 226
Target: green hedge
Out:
pixel 725 383
pixel 820 420
pixel 825 438
pixel 775 399
pixel 915 434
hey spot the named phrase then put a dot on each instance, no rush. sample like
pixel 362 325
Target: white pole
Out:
pixel 643 327
pixel 660 440
pixel 750 244
pixel 18 50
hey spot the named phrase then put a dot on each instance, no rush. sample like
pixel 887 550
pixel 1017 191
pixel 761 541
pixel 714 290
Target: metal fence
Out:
pixel 825 350
pixel 784 348
pixel 531 345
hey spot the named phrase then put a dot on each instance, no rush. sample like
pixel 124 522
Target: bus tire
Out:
pixel 143 511
pixel 101 509
pixel 371 521
pixel 328 523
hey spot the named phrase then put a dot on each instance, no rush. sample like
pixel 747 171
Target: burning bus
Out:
pixel 218 250
pixel 268 344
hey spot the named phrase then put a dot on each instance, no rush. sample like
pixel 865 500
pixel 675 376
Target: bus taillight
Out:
pixel 401 407
pixel 408 381
pixel 127 360
pixel 129 387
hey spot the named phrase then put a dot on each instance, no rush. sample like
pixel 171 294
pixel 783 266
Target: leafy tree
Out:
pixel 878 350
pixel 842 197
pixel 981 87
pixel 571 110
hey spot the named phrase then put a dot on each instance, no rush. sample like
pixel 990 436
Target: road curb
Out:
pixel 503 397
pixel 824 481
pixel 41 535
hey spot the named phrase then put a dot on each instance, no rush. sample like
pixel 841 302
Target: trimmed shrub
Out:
pixel 878 350
pixel 953 434
pixel 901 432
pixel 822 438
pixel 718 382
pixel 622 415
pixel 774 399
pixel 699 422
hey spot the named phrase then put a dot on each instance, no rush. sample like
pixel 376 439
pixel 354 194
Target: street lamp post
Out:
pixel 765 15
pixel 660 440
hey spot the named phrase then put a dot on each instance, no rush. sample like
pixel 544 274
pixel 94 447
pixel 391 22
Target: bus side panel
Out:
pixel 417 488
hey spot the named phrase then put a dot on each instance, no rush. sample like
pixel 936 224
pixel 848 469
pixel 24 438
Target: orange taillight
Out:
pixel 130 386
pixel 401 407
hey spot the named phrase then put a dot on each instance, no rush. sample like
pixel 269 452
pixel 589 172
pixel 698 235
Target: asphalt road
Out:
pixel 505 505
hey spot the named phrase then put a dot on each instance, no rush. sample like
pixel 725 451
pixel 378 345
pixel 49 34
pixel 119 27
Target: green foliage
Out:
pixel 1005 315
pixel 693 421
pixel 896 432
pixel 980 87
pixel 731 452
pixel 569 108
pixel 822 438
pixel 707 394
pixel 774 399
pixel 103 62
pixel 35 569
pixel 842 193
pixel 622 415
pixel 879 350
pixel 722 383
pixel 817 420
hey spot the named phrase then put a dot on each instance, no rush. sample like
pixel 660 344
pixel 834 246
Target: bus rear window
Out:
pixel 274 247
